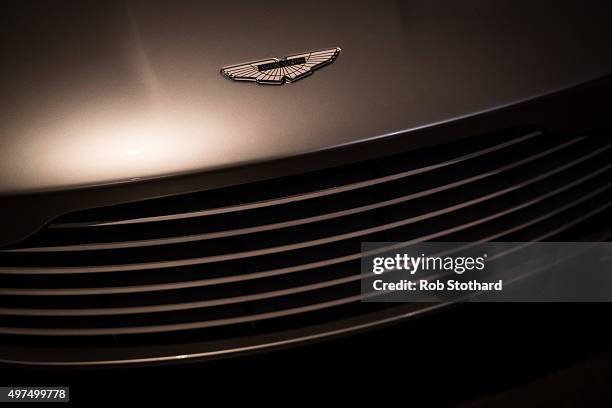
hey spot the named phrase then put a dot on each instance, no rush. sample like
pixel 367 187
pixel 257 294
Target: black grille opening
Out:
pixel 272 262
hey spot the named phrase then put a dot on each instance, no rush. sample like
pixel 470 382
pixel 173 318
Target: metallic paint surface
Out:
pixel 114 92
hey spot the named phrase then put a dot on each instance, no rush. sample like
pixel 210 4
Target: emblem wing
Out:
pixel 274 71
pixel 248 71
pixel 313 60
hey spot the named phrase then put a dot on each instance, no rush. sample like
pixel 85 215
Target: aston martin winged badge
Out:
pixel 275 71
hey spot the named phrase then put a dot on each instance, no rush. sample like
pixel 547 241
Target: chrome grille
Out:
pixel 277 261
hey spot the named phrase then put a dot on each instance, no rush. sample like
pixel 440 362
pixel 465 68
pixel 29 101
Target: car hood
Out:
pixel 116 92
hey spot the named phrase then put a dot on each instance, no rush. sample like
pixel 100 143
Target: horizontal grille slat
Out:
pixel 176 306
pixel 179 326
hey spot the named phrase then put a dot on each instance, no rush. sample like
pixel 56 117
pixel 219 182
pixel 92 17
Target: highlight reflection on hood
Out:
pixel 106 147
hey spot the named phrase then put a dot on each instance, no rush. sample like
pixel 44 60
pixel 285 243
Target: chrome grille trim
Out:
pixel 193 284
